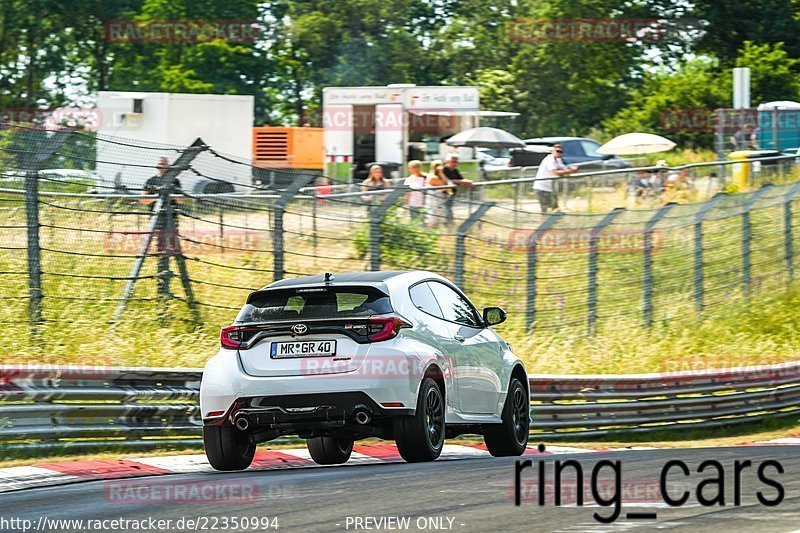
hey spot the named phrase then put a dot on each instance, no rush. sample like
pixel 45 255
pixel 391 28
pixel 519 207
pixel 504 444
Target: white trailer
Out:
pixel 392 124
pixel 155 123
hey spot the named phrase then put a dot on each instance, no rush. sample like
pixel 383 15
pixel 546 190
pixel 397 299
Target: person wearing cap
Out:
pixel 551 166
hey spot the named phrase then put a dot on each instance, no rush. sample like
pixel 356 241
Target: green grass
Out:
pixel 734 331
pixel 763 330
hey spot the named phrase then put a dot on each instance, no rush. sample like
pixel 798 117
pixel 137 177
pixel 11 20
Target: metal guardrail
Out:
pixel 89 407
pixel 527 175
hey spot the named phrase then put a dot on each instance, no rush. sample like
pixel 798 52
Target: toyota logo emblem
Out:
pixel 299 329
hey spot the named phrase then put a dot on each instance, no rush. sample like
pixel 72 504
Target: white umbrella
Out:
pixel 636 144
pixel 486 138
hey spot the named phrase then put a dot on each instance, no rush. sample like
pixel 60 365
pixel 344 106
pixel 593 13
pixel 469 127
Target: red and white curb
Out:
pixel 62 473
pixel 66 472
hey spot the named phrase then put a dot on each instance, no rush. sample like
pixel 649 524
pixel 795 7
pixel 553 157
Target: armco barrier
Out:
pixel 90 407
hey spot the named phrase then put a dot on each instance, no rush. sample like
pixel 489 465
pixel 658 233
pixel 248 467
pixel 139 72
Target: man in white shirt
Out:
pixel 415 199
pixel 551 166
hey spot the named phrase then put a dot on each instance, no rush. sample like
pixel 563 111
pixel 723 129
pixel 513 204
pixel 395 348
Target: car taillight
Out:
pixel 383 328
pixel 236 337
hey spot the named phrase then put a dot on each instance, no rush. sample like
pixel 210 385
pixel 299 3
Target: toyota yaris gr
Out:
pixel 400 355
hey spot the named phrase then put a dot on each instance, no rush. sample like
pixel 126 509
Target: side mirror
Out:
pixel 607 157
pixel 494 315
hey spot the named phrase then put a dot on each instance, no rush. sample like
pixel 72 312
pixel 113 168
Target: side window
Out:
pixel 454 307
pixel 572 148
pixel 590 147
pixel 422 297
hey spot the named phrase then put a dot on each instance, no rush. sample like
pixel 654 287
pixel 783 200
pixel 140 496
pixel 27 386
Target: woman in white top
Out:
pixel 415 199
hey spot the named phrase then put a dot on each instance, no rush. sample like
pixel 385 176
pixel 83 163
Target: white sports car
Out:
pixel 400 355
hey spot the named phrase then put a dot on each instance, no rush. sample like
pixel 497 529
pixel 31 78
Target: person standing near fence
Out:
pixel 415 199
pixel 745 138
pixel 374 181
pixel 551 166
pixel 454 176
pixel 437 198
pixel 155 184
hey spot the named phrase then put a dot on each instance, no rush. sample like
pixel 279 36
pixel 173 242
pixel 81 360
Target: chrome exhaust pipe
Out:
pixel 362 415
pixel 241 422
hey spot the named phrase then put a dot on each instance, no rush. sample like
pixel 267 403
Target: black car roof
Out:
pixel 345 277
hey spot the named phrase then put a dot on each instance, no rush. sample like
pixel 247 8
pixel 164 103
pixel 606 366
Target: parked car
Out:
pixel 577 151
pixel 400 355
pixel 492 163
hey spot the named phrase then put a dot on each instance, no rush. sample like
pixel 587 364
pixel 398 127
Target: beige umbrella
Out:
pixel 636 144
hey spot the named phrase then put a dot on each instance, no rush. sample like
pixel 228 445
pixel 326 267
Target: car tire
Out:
pixel 330 450
pixel 227 448
pixel 420 437
pixel 510 438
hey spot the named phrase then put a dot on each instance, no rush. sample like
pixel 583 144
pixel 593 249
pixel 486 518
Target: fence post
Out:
pixel 648 261
pixel 594 235
pixel 277 222
pixel 788 238
pixel 45 146
pixel 376 215
pixel 533 257
pixel 698 248
pixel 165 240
pixel 747 236
pixel 461 234
pixel 34 247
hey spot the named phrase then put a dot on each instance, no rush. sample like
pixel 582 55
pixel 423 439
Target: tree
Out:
pixel 678 104
pixel 773 74
pixel 729 24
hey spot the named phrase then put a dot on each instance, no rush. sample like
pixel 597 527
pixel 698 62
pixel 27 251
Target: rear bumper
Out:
pixel 311 410
pixel 227 388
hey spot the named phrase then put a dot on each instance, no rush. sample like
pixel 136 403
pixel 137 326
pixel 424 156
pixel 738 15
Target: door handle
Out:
pixel 458 337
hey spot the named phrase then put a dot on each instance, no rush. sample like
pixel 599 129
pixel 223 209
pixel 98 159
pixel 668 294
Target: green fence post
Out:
pixel 376 215
pixel 788 238
pixel 648 261
pixel 747 236
pixel 34 247
pixel 594 235
pixel 461 235
pixel 698 248
pixel 533 257
pixel 44 145
pixel 277 223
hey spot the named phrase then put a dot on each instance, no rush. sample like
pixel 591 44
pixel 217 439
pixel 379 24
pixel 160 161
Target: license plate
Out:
pixel 283 350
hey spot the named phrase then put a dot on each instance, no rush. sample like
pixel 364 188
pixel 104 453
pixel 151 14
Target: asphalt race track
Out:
pixel 464 495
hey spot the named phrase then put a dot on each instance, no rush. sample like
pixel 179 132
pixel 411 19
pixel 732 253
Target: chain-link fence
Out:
pixel 158 238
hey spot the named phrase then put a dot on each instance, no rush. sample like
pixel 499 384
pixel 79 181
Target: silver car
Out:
pixel 400 355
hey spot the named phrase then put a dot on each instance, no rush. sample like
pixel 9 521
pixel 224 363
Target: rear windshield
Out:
pixel 317 302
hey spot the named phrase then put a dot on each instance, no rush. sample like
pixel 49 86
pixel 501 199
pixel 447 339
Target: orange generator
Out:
pixel 288 147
